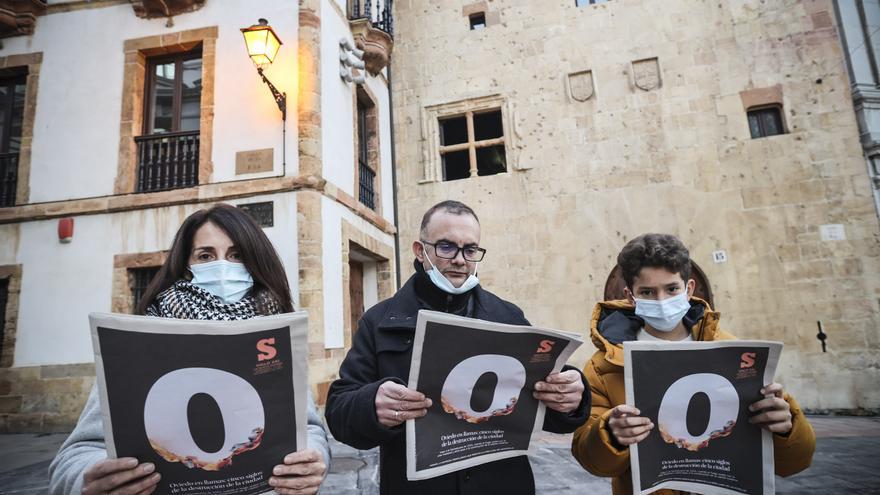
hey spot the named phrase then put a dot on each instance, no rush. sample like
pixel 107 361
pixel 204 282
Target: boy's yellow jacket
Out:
pixel 592 444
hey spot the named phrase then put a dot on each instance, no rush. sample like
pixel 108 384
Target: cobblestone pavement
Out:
pixel 847 460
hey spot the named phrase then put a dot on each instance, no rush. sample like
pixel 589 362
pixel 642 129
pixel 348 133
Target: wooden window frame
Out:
pixel 472 144
pixel 431 115
pixel 762 108
pixel 137 52
pixel 150 80
pixel 363 97
pixel 18 77
pixel 28 65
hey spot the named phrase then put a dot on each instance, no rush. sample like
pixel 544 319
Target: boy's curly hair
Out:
pixel 656 251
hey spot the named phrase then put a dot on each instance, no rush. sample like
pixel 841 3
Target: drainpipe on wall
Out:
pixel 394 182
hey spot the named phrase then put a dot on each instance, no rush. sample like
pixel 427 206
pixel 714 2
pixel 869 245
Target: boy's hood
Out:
pixel 615 322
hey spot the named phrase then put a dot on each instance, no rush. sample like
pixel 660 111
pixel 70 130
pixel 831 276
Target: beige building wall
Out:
pixel 584 177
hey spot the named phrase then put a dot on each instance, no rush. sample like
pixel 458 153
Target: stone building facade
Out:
pixel 104 95
pixel 571 127
pixel 859 23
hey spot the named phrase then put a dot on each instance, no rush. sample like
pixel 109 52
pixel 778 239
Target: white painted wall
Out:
pixel 63 283
pixel 332 214
pixel 76 131
pixel 337 108
pixel 337 112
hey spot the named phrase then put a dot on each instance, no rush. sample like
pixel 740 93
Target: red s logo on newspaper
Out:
pixel 267 351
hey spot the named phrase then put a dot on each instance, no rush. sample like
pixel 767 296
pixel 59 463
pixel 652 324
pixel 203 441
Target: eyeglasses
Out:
pixel 448 250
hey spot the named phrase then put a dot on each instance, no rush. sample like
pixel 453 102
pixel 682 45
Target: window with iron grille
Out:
pixel 4 298
pixel 139 280
pixel 472 145
pixel 12 97
pixel 765 121
pixel 367 151
pixel 168 151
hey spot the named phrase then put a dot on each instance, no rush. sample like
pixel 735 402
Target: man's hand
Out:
pixel 560 391
pixel 301 473
pixel 775 413
pixel 396 404
pixel 120 476
pixel 627 427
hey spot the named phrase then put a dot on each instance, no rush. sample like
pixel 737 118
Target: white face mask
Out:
pixel 227 280
pixel 663 315
pixel 444 284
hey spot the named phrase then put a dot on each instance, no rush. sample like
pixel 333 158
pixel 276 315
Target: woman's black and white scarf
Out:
pixel 186 301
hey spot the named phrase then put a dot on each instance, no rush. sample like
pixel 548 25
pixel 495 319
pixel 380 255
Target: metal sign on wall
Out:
pixel 262 213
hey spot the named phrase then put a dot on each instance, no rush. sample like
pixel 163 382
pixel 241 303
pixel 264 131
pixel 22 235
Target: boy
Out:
pixel 659 306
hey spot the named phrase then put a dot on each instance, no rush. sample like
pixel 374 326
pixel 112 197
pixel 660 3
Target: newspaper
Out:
pixel 214 405
pixel 697 395
pixel 480 376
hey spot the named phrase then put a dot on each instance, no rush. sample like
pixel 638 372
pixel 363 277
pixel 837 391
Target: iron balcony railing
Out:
pixel 366 180
pixel 8 178
pixel 167 161
pixel 377 11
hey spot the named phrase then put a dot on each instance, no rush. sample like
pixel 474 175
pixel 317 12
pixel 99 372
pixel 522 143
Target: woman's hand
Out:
pixel 301 473
pixel 122 476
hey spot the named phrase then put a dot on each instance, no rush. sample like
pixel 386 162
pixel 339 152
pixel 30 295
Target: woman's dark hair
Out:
pixel 655 251
pixel 255 249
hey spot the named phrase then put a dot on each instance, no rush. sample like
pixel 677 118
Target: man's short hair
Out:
pixel 448 206
pixel 655 251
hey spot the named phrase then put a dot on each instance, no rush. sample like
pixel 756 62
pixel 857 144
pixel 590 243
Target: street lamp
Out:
pixel 262 46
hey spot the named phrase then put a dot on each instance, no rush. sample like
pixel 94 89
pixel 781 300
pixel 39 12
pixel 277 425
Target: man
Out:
pixel 369 403
pixel 659 307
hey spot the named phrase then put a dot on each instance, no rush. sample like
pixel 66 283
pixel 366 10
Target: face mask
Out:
pixel 224 279
pixel 445 285
pixel 663 315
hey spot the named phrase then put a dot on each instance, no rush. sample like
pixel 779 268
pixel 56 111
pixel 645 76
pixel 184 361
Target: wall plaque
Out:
pixel 262 213
pixel 254 161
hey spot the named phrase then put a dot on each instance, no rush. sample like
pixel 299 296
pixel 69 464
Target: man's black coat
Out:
pixel 382 350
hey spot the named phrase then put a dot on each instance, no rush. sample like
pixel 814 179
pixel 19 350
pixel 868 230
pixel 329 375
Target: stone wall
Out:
pixel 636 145
pixel 44 399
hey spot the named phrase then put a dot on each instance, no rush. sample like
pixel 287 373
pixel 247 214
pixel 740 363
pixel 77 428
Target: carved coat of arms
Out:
pixel 646 74
pixel 580 85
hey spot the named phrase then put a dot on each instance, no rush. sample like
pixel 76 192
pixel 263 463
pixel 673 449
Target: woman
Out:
pixel 221 267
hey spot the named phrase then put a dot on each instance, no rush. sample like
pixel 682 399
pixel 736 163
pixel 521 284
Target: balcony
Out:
pixel 372 26
pixel 153 9
pixel 167 161
pixel 366 183
pixel 19 17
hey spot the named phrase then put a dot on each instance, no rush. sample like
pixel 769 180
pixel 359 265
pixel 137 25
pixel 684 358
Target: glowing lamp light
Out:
pixel 262 42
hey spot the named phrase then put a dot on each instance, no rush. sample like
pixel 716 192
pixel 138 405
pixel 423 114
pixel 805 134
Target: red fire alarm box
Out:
pixel 65 230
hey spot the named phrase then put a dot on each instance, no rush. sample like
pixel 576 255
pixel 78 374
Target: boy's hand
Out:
pixel 775 413
pixel 627 427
